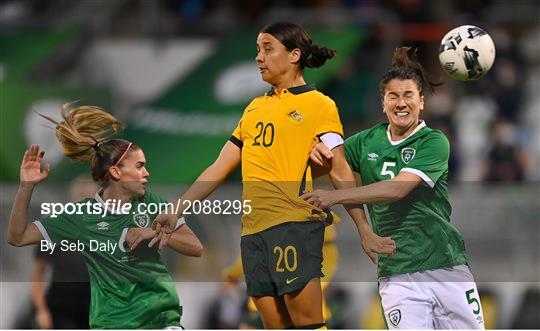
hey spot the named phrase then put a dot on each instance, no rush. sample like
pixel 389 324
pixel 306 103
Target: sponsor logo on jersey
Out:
pixel 372 156
pixel 141 220
pixel 289 281
pixel 394 316
pixel 296 116
pixel 103 226
pixel 407 154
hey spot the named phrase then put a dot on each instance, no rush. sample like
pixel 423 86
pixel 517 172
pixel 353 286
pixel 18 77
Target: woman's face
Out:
pixel 402 103
pixel 132 174
pixel 274 60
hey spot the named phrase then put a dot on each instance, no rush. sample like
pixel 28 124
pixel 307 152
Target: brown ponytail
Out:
pixel 405 65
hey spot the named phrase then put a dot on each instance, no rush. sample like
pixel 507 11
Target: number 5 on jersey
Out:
pixel 386 171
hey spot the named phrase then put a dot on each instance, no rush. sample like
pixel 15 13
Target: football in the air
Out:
pixel 466 53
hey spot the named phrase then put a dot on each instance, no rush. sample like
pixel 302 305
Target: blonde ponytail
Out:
pixel 83 129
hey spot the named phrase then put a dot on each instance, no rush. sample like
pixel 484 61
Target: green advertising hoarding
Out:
pixel 20 126
pixel 21 96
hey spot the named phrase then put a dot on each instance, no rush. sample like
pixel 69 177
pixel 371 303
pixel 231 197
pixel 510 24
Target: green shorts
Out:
pixel 283 258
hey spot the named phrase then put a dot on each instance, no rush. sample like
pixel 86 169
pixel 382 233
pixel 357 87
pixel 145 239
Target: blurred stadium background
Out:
pixel 179 73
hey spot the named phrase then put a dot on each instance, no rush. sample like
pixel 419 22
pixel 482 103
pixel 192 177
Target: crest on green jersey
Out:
pixel 394 316
pixel 141 220
pixel 407 154
pixel 103 225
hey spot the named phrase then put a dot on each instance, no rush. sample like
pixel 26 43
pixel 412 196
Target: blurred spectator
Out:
pixel 473 115
pixel 505 161
pixel 66 303
pixel 527 316
pixel 509 88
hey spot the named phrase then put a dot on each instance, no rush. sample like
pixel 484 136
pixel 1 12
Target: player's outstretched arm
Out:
pixel 227 161
pixel 19 232
pixel 385 191
pixel 184 241
pixel 342 177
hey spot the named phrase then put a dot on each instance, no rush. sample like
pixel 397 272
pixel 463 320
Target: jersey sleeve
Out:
pixel 329 121
pixel 430 160
pixel 236 136
pixel 353 149
pixel 56 229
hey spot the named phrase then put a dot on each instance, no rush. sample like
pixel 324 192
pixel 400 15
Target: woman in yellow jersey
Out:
pixel 282 236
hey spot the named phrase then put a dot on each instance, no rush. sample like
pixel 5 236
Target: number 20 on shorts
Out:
pixel 287 258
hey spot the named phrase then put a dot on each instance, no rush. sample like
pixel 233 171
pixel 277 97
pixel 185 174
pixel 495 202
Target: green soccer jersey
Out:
pixel 420 222
pixel 129 289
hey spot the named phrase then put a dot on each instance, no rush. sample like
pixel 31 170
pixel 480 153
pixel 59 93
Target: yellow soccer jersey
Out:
pixel 276 134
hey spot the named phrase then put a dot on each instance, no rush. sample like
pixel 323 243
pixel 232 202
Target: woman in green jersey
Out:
pixel 130 285
pixel 403 165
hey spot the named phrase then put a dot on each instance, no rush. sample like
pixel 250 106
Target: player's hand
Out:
pixel 44 319
pixel 163 238
pixel 164 225
pixel 135 236
pixel 320 154
pixel 31 173
pixel 374 245
pixel 320 198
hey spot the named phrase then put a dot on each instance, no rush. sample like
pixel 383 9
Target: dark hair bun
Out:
pixel 318 56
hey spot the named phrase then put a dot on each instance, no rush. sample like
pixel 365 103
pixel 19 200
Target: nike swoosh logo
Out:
pixel 289 281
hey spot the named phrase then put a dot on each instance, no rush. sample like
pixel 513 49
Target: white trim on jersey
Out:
pixel 122 240
pixel 331 140
pixel 397 142
pixel 420 174
pixel 181 221
pixel 44 233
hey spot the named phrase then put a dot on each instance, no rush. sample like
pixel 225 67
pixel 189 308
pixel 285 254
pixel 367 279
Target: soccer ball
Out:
pixel 466 53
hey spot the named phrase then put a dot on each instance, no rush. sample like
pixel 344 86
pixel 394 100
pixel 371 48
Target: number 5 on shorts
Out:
pixel 472 300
